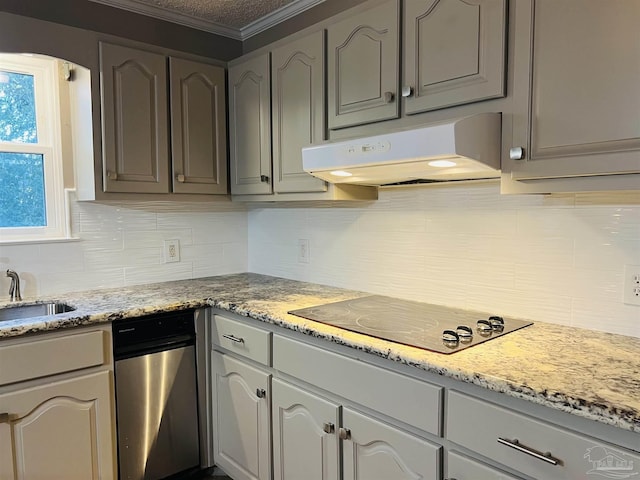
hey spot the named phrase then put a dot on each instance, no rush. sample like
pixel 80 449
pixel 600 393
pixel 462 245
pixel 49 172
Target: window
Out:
pixel 32 205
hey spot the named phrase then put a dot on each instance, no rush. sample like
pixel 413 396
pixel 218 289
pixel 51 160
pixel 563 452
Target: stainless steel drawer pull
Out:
pixel 233 338
pixel 261 392
pixel 515 444
pixel 329 427
pixel 344 433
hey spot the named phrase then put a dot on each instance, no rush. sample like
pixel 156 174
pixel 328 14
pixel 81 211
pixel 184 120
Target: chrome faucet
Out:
pixel 14 289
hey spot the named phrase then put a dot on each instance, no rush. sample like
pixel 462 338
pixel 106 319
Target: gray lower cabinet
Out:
pixel 56 409
pixel 453 52
pixel 136 89
pixel 363 67
pixel 250 126
pixel 297 96
pixel 310 442
pixel 531 446
pixel 241 420
pixel 576 96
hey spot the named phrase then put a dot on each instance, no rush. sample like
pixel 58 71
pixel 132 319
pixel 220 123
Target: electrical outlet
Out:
pixel 632 284
pixel 171 251
pixel 303 250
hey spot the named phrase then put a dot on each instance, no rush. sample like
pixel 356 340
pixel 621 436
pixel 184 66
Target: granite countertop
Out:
pixel 590 374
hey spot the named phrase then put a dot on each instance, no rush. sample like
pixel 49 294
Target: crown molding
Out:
pixel 276 17
pixel 260 25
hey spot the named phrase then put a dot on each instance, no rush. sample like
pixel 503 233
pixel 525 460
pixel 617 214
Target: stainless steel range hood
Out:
pixel 461 149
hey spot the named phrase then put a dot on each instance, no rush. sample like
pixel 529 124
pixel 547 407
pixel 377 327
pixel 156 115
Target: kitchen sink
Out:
pixel 29 310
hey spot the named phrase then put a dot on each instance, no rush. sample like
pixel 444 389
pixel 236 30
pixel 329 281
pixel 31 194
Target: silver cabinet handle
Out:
pixel 181 178
pixel 329 427
pixel 344 433
pixel 407 91
pixel 516 445
pixel 261 392
pixel 388 97
pixel 264 178
pixel 233 338
pixel 112 175
pixel 516 153
pixel 4 418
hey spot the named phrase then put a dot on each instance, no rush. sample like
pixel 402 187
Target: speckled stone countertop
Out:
pixel 586 373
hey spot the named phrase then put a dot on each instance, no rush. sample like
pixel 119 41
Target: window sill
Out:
pixel 30 241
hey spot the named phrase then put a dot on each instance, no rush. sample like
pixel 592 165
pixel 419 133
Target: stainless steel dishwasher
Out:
pixel 156 396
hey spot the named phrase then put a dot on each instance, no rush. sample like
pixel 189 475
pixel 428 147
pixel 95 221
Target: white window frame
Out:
pixel 48 123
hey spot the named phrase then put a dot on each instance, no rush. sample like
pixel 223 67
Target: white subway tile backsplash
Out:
pixel 548 257
pixel 120 246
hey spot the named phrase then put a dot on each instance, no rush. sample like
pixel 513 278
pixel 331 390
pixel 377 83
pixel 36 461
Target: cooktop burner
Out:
pixel 430 327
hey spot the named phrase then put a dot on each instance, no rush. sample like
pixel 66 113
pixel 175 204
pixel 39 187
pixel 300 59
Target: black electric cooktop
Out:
pixel 430 327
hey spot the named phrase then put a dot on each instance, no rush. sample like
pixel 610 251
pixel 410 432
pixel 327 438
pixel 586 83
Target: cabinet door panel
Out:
pixel 454 52
pixel 134 120
pixel 198 127
pixel 250 126
pixel 576 87
pixel 241 419
pixel 297 71
pixel 301 447
pixel 59 430
pixel 377 451
pixel 363 67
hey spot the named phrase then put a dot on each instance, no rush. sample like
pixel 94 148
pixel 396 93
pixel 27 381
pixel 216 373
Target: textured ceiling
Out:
pixel 233 18
pixel 231 13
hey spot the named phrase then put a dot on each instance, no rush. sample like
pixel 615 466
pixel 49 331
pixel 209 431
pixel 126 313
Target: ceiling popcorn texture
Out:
pixel 232 13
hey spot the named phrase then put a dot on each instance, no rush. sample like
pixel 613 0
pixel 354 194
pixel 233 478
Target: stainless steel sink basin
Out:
pixel 11 312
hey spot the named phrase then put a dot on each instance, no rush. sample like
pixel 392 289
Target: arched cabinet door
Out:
pixel 241 420
pixel 373 450
pixel 297 96
pixel 362 66
pixel 134 120
pixel 454 52
pixel 198 127
pixel 250 126
pixel 58 430
pixel 305 441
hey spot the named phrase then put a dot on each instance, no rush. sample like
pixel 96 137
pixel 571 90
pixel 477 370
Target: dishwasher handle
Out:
pixel 121 352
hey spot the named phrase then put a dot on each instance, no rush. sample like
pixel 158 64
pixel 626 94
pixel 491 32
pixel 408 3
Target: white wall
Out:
pixel 122 245
pixel 554 258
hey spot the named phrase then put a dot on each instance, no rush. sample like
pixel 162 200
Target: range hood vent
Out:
pixel 462 149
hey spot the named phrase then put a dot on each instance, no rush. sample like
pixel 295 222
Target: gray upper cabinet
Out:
pixel 454 52
pixel 363 68
pixel 576 97
pixel 297 73
pixel 134 120
pixel 250 126
pixel 198 127
pixel 136 91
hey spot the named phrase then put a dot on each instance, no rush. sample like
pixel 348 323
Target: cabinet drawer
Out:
pixel 460 467
pixel 245 340
pixel 40 358
pixel 489 430
pixel 406 399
